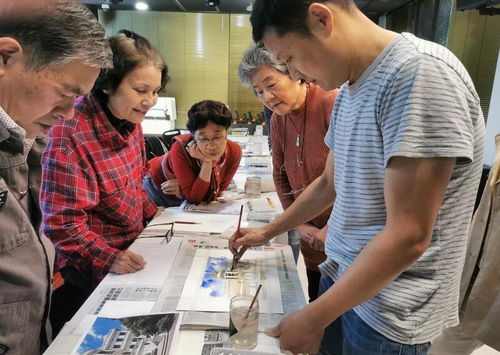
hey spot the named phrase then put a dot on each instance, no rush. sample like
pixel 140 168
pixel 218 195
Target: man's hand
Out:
pixel 128 262
pixel 171 187
pixel 314 236
pixel 298 333
pixel 249 237
pixel 319 239
pixel 307 231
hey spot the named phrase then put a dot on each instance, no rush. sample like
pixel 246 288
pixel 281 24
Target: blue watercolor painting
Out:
pixel 213 276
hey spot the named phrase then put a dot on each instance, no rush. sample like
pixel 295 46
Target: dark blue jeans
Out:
pixel 294 242
pixel 156 195
pixel 350 335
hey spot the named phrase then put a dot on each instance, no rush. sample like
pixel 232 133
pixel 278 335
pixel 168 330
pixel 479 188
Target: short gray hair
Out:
pixel 256 56
pixel 57 34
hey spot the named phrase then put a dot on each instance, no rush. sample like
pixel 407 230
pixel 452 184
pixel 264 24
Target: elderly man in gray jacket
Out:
pixel 50 52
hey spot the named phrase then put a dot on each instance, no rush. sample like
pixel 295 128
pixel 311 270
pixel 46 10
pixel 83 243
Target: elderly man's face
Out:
pixel 37 99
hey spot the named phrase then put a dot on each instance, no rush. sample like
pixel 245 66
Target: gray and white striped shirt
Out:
pixel 416 100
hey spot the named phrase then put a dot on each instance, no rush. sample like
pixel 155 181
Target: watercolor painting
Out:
pixel 213 277
pixel 249 274
pixel 208 288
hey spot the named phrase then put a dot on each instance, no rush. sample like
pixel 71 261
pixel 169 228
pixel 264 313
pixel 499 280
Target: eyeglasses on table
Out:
pixel 168 235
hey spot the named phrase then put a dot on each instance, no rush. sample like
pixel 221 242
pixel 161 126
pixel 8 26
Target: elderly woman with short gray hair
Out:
pixel 300 120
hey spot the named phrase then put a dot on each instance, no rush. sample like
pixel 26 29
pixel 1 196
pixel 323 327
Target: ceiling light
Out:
pixel 211 3
pixel 141 6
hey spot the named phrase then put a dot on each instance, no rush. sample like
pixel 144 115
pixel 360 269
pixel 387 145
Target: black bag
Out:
pixel 155 147
pixel 159 145
pixel 168 137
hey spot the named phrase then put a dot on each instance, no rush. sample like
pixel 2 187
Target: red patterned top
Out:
pixel 92 198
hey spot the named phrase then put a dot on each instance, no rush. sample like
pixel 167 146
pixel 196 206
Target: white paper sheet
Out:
pixel 206 223
pixel 206 289
pixel 159 258
pixel 125 308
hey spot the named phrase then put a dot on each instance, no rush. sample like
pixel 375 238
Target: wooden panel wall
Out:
pixel 202 52
pixel 475 40
pixel 241 98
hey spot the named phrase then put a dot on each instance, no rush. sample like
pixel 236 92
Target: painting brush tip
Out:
pixel 235 260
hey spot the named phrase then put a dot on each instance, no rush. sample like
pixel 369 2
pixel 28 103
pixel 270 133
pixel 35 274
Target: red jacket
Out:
pixel 178 164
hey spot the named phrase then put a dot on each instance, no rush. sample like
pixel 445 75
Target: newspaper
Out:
pixel 214 339
pixel 111 293
pixel 217 342
pixel 125 293
pixel 291 291
pixel 217 207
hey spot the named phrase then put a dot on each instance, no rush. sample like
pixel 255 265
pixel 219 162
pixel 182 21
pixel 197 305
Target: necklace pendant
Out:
pixel 297 141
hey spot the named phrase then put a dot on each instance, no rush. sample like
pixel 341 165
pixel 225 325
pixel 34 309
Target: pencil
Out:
pixel 186 222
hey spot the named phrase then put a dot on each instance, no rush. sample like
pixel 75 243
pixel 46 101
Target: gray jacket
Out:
pixel 480 286
pixel 26 257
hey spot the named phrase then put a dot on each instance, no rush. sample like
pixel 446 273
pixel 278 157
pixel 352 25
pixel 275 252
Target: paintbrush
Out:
pixel 253 301
pixel 237 236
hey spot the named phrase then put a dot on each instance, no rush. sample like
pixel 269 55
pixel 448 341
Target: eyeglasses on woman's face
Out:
pixel 207 141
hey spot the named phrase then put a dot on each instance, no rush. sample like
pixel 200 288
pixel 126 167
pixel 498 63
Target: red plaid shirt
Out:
pixel 92 198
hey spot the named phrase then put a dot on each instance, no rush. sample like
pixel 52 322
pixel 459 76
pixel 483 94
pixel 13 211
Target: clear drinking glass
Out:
pixel 257 148
pixel 243 324
pixel 253 186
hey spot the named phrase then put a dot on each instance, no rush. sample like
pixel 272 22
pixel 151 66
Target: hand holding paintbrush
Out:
pixel 245 238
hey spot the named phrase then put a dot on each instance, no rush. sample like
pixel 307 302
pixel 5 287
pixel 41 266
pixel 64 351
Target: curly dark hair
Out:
pixel 130 50
pixel 208 111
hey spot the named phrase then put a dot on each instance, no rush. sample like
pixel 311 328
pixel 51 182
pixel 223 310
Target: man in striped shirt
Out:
pixel 406 142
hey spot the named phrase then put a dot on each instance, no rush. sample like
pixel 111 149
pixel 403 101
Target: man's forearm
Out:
pixel 317 197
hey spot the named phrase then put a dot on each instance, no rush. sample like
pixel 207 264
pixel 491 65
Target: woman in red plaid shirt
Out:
pixel 93 203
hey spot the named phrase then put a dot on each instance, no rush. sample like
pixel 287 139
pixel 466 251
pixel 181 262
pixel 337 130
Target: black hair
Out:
pixel 130 50
pixel 208 111
pixel 284 16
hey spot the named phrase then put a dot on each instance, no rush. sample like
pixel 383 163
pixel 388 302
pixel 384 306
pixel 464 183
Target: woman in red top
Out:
pixel 300 120
pixel 204 161
pixel 92 200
